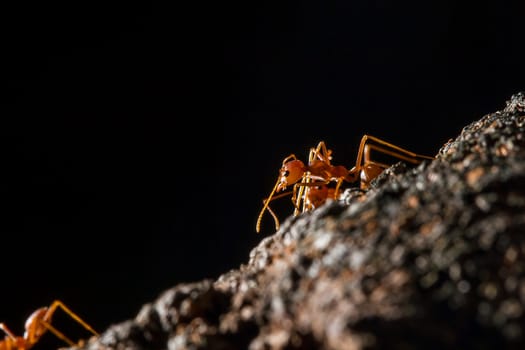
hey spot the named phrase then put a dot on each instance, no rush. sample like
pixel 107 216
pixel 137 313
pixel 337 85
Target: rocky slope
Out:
pixel 430 257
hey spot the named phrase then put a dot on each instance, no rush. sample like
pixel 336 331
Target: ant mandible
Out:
pixel 310 182
pixel 37 324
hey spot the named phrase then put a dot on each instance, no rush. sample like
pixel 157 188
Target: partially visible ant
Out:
pixel 37 324
pixel 311 181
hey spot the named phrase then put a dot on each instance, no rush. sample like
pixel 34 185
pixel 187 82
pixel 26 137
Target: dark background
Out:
pixel 138 141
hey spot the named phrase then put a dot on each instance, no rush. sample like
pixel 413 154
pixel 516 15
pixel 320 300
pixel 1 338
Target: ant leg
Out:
pixel 386 148
pixel 321 153
pixel 57 333
pixel 336 191
pixel 320 149
pixel 391 150
pixel 58 304
pixel 304 192
pixel 7 331
pixel 298 196
pixel 369 169
pixel 304 188
pixel 368 160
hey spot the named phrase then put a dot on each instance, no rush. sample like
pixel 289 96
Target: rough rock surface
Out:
pixel 431 257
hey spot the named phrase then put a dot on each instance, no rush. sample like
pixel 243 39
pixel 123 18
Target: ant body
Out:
pixel 311 181
pixel 37 324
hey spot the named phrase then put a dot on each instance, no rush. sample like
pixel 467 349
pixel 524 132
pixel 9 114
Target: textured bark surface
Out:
pixel 430 257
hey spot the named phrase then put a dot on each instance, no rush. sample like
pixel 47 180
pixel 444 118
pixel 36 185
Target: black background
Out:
pixel 138 141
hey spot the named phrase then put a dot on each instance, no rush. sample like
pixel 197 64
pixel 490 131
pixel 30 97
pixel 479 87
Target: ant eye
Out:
pixel 286 173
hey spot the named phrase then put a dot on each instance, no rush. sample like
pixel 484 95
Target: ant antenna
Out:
pixel 265 206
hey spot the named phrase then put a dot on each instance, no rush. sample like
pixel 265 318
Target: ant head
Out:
pixel 290 173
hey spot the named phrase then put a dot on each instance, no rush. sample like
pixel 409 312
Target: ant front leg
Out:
pixel 298 198
pixel 313 194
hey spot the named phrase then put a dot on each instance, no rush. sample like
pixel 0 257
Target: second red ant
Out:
pixel 37 324
pixel 311 181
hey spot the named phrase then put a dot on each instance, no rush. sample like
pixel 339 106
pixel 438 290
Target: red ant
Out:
pixel 310 182
pixel 37 324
